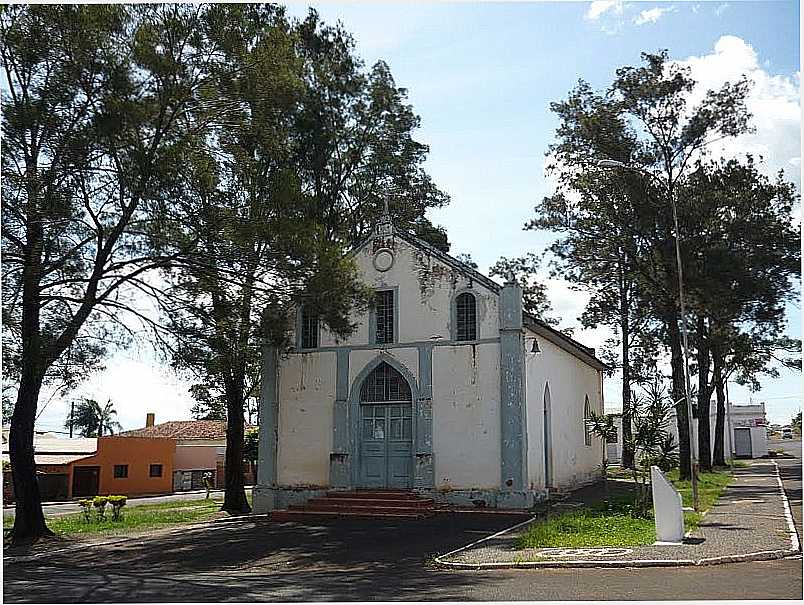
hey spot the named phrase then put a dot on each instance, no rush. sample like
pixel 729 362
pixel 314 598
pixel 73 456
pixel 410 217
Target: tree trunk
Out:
pixel 718 458
pixel 628 452
pixel 234 500
pixel 704 394
pixel 682 419
pixel 29 520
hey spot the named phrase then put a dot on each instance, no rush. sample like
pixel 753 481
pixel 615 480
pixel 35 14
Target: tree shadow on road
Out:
pixel 256 559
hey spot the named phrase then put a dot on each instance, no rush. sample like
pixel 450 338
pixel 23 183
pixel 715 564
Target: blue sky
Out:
pixel 482 76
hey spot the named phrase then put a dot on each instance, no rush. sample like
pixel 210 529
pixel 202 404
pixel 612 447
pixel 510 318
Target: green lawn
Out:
pixel 135 518
pixel 598 525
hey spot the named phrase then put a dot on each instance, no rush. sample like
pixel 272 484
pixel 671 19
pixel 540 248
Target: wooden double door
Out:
pixel 386 445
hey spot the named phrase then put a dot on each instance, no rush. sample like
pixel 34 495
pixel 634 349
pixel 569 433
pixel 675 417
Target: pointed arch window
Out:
pixel 384 384
pixel 466 317
pixel 587 416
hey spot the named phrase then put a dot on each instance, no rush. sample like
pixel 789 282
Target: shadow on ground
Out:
pixel 341 561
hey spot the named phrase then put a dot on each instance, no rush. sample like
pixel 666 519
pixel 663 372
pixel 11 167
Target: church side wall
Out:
pixel 306 396
pixel 573 462
pixel 466 416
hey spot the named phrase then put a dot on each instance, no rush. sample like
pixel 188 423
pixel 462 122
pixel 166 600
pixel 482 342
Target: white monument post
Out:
pixel 667 508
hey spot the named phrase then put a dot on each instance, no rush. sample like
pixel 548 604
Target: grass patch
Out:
pixel 591 526
pixel 710 486
pixel 615 525
pixel 135 518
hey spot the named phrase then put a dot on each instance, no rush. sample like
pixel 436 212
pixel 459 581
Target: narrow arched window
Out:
pixel 309 328
pixel 465 317
pixel 587 417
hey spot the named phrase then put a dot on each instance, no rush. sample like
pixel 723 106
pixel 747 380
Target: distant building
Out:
pixel 54 457
pixel 749 432
pixel 200 449
pixel 89 466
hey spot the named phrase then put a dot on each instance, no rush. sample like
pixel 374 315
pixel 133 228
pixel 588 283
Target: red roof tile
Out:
pixel 183 429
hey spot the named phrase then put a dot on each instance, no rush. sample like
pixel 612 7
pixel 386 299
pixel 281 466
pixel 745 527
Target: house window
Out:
pixel 120 471
pixel 587 416
pixel 466 317
pixel 309 328
pixel 384 313
pixel 155 470
pixel 614 436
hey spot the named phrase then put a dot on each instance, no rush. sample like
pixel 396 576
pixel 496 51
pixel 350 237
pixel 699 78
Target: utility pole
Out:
pixel 72 414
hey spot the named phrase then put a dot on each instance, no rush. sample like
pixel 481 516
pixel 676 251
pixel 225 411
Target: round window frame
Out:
pixel 377 255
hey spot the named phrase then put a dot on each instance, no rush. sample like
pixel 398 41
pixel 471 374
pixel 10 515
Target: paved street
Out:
pixel 63 508
pixel 790 470
pixel 348 561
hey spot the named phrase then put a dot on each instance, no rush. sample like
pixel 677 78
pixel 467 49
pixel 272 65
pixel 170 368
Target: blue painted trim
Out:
pixel 399 345
pixel 426 371
pixel 513 444
pixel 340 461
pixel 424 465
pixel 269 417
pixel 548 436
pixel 342 375
pixel 354 410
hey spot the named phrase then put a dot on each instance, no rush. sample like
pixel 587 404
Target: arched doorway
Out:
pixel 386 429
pixel 548 439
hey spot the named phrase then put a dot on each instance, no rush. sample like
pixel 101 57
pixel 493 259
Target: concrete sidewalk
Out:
pixel 751 521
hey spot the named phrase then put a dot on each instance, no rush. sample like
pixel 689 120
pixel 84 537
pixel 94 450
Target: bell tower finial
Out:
pixel 385 225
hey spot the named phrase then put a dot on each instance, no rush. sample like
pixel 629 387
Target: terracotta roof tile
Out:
pixel 183 429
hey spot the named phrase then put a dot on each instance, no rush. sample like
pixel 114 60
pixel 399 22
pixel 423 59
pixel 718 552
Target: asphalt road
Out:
pixel 366 561
pixel 64 508
pixel 790 470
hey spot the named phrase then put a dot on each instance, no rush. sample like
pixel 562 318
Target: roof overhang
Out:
pixel 561 340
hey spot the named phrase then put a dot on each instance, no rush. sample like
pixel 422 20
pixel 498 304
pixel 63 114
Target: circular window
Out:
pixel 383 259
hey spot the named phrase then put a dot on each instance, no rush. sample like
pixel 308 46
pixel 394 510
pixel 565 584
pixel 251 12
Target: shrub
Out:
pixel 117 502
pixel 86 509
pixel 99 502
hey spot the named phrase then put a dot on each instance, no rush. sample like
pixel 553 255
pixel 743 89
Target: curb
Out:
pixel 765 555
pixel 795 542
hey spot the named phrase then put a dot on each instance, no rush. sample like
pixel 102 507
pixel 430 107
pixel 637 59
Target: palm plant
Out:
pixel 93 420
pixel 649 440
pixel 602 426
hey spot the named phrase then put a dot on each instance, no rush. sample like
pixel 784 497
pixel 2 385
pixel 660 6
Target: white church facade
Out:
pixel 446 388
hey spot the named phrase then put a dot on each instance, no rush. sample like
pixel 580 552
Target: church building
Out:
pixel 447 388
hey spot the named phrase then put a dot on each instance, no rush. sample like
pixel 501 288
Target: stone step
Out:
pixel 387 502
pixel 301 516
pixel 359 508
pixel 375 495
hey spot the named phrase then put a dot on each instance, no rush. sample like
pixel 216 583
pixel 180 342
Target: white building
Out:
pixel 748 427
pixel 446 388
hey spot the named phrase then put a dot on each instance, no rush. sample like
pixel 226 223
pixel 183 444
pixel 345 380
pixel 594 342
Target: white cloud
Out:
pixel 599 7
pixel 773 100
pixel 652 15
pixel 721 9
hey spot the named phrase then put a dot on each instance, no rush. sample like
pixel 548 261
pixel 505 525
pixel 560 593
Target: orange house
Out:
pixel 132 466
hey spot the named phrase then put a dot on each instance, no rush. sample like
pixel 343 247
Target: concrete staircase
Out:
pixel 359 504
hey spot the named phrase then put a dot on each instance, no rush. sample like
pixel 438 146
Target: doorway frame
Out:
pixel 355 415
